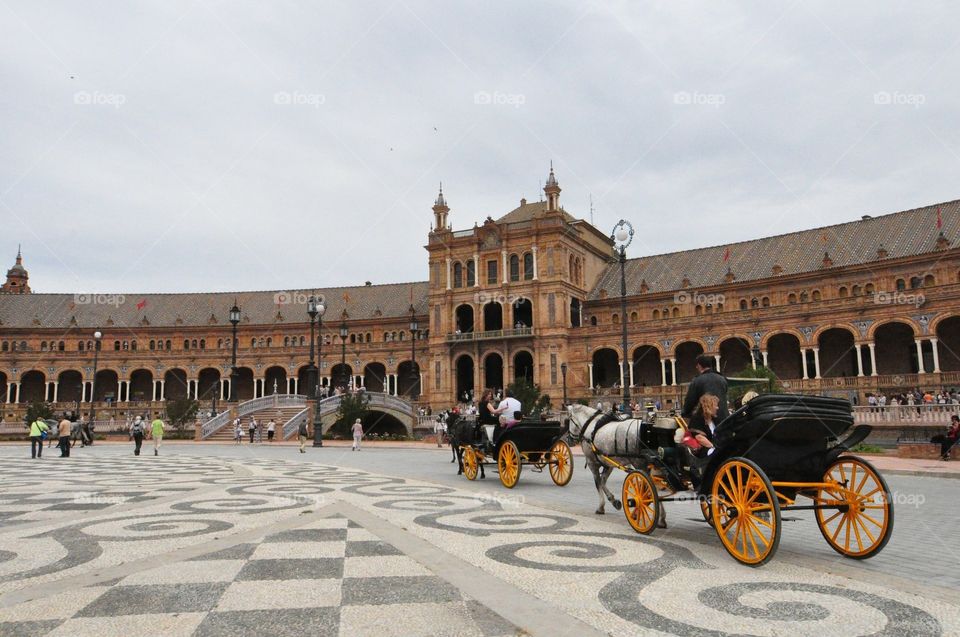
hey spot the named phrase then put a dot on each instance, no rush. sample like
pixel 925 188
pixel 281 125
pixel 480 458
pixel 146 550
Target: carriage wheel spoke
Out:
pixel 873 540
pixel 864 515
pixel 832 517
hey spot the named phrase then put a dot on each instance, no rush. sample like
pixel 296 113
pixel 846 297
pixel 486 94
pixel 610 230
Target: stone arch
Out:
pixel 523 313
pixel 838 352
pixel 107 385
pixel 872 332
pixel 735 355
pixel 208 383
pixel 4 388
pixel 341 373
pixel 895 349
pixel 245 384
pixel 69 386
pixel 408 379
pixel 606 367
pixel 33 386
pixel 375 377
pixel 783 354
pixel 765 339
pixel 815 337
pixel 948 346
pixel 686 353
pixel 692 339
pixel 523 365
pixel 464 374
pixel 275 375
pixel 141 385
pixel 463 318
pixel 647 370
pixel 493 371
pixel 175 384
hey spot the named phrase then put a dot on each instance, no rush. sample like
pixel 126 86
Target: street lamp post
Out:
pixel 234 372
pixel 563 373
pixel 344 332
pixel 312 311
pixel 414 373
pixel 317 424
pixel 93 386
pixel 622 236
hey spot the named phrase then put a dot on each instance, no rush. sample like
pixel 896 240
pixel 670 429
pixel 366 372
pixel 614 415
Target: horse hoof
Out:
pixel 617 505
pixel 599 512
pixel 661 524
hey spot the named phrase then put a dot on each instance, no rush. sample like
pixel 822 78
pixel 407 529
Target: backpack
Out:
pixel 138 427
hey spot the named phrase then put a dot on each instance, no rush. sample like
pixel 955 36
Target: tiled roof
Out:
pixel 901 234
pixel 529 211
pixel 166 310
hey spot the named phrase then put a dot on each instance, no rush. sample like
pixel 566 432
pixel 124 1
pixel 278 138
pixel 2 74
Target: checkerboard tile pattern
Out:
pixel 329 577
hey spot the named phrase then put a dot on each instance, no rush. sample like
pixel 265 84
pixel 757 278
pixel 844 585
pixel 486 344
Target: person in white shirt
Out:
pixel 271 429
pixel 506 411
pixel 357 430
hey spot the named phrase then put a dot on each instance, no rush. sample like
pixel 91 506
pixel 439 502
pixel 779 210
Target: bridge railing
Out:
pixel 905 414
pixel 291 426
pixel 248 407
pixel 376 399
pixel 214 424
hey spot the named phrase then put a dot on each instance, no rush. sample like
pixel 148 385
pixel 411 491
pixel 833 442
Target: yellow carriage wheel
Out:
pixel 640 502
pixel 745 511
pixel 470 463
pixel 508 464
pixel 561 463
pixel 861 523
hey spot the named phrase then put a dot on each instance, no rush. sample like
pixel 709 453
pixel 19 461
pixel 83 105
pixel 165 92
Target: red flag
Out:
pixel 142 304
pixel 939 219
pixel 726 255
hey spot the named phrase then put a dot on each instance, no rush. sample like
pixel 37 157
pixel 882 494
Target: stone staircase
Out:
pixel 280 415
pixel 279 408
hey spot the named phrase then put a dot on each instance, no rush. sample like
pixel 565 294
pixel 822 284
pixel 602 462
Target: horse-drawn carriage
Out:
pixel 533 443
pixel 769 453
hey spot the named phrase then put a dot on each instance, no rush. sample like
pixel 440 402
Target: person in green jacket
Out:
pixel 156 430
pixel 37 428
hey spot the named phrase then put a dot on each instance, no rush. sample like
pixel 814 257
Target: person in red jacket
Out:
pixel 950 439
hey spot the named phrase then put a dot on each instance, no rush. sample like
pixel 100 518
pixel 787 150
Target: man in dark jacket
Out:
pixel 708 381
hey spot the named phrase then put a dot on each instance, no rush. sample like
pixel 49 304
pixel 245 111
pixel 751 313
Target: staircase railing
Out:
pixel 291 426
pixel 249 407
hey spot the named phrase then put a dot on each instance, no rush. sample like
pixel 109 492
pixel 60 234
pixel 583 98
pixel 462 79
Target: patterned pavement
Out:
pixel 106 543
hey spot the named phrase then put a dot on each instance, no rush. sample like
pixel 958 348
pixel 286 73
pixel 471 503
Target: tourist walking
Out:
pixel 253 428
pixel 38 433
pixel 136 432
pixel 357 430
pixel 237 431
pixel 271 429
pixel 65 427
pixel 156 431
pixel 302 432
pixel 439 428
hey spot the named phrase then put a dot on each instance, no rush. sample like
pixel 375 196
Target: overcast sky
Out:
pixel 213 145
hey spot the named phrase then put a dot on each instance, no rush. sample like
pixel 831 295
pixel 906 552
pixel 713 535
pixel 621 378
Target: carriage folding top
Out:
pixel 787 419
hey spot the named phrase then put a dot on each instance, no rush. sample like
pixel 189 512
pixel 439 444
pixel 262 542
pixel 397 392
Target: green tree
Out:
pixel 182 411
pixel 351 407
pixel 767 383
pixel 38 409
pixel 529 396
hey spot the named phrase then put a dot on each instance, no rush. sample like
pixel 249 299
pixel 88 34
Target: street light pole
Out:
pixel 234 372
pixel 414 373
pixel 312 311
pixel 317 423
pixel 97 335
pixel 344 332
pixel 563 373
pixel 622 236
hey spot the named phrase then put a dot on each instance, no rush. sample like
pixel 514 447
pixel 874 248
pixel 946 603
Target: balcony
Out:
pixel 490 335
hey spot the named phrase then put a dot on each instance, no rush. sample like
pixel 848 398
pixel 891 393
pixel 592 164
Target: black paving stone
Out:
pixel 291 622
pixel 308 535
pixel 397 590
pixel 161 598
pixel 283 569
pixel 365 548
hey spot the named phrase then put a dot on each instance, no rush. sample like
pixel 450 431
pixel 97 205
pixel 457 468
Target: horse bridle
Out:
pixel 583 427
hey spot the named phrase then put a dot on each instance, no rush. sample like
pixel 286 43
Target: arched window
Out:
pixel 514 267
pixel 743 304
pixel 593 321
pixel 869 288
pixel 116 346
pixel 698 310
pixel 286 341
pixel 126 346
pixel 817 296
pixel 458 275
pixel 261 342
pixel 856 290
pixel 353 338
pixel 803 297
pixel 843 292
pixel 915 282
pixel 929 281
pixel 754 303
pixel 633 317
pixel 719 307
pixel 369 337
pixel 901 285
pixel 269 341
pixel 386 337
pixel 43 346
pixel 62 347
pixel 303 341
pixel 6 347
pixel 765 301
pixel 219 343
pixel 615 319
pixel 676 312
pixel 791 298
pixel 656 314
pixel 168 344
pixel 193 344
pixel 186 343
pixel 527 266
pixel 400 335
pixel 203 343
pixel 471 273
pixel 253 342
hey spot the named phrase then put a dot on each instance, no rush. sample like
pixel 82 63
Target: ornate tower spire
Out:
pixel 440 212
pixel 17 277
pixel 552 191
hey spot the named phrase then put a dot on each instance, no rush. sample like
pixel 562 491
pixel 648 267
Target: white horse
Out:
pixel 610 440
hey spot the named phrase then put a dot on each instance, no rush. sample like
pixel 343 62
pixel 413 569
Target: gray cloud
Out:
pixel 228 146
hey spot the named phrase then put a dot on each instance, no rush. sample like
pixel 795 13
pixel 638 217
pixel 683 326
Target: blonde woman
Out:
pixel 709 407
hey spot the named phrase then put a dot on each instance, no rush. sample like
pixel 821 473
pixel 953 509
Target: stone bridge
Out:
pixel 394 406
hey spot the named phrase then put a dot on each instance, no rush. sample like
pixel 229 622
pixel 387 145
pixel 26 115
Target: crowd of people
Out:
pixel 913 397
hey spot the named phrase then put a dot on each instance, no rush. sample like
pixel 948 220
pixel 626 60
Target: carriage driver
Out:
pixel 708 381
pixel 507 412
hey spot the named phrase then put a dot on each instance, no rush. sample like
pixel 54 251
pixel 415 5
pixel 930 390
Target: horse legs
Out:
pixel 595 469
pixel 453 449
pixel 603 484
pixel 458 452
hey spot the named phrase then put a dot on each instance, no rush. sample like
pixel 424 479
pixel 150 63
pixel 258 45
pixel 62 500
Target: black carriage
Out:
pixel 770 453
pixel 533 443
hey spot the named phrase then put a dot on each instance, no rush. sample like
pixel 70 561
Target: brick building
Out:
pixel 869 305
